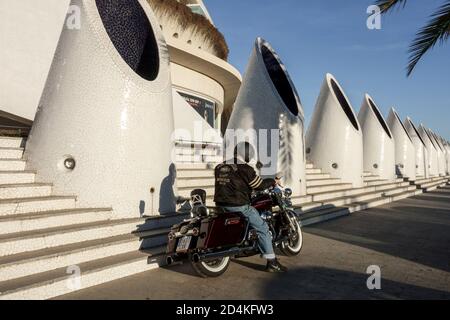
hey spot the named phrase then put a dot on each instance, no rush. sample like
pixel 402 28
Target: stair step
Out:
pixel 54 237
pixel 28 263
pixel 404 195
pixel 12 165
pixel 12 177
pixel 382 182
pixel 373 178
pixel 389 185
pixel 367 196
pixel 328 188
pixel 299 200
pixel 51 219
pixel 426 180
pixel 25 190
pixel 324 214
pixel 313 171
pixel 195 166
pixel 54 283
pixel 322 182
pixel 37 204
pixel 317 176
pixel 329 195
pixel 197 159
pixel 12 142
pixel 367 174
pixel 11 153
pixel 309 166
pixel 192 174
pixel 25 264
pixel 432 185
pixel 194 182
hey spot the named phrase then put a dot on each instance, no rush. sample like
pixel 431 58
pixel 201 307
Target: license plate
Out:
pixel 184 243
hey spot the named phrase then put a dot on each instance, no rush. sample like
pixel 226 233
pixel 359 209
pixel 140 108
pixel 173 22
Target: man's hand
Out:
pixel 278 181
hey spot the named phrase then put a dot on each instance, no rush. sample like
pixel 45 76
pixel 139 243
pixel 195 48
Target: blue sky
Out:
pixel 316 37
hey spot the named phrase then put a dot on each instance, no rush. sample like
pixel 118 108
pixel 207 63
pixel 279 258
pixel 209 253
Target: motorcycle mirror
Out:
pixel 259 165
pixel 288 192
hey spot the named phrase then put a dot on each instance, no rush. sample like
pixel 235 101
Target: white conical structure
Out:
pixel 433 168
pixel 443 158
pixel 267 103
pixel 447 155
pixel 103 128
pixel 440 154
pixel 405 153
pixel 421 149
pixel 444 153
pixel 378 142
pixel 334 139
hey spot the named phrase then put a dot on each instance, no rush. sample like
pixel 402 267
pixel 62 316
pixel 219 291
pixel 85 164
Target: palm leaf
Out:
pixel 436 31
pixel 388 5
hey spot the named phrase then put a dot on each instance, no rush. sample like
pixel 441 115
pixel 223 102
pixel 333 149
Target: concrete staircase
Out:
pixel 430 184
pixel 332 198
pixel 45 238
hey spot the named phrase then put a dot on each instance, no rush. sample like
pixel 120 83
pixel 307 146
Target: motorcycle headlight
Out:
pixel 288 192
pixel 277 191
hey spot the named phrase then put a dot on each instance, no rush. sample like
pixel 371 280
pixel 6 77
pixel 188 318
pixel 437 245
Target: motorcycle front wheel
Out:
pixel 293 246
pixel 211 268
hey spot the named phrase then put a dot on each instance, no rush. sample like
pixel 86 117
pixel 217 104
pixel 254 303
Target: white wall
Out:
pixel 29 33
pixel 195 82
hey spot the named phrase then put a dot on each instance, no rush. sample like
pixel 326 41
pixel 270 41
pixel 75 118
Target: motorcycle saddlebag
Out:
pixel 223 230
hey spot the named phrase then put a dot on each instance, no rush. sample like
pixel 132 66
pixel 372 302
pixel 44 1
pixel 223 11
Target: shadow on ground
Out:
pixel 325 283
pixel 407 229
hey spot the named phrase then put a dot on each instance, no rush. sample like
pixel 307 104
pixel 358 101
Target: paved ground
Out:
pixel 409 240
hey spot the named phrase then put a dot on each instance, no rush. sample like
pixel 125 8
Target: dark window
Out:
pixel 280 80
pixel 345 105
pixel 406 131
pixel 131 33
pixel 380 117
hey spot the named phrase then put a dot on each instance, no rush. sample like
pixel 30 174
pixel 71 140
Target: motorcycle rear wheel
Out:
pixel 212 268
pixel 293 247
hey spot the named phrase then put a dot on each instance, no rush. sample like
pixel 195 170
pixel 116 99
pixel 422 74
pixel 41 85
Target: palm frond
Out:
pixel 436 31
pixel 388 5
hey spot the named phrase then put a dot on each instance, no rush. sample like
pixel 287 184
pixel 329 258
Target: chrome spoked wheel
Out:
pixel 293 246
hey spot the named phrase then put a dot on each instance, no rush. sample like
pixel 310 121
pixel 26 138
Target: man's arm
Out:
pixel 256 182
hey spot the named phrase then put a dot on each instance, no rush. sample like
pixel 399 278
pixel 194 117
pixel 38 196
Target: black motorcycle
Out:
pixel 212 236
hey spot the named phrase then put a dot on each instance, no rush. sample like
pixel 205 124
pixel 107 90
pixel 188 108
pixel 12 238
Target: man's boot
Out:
pixel 275 266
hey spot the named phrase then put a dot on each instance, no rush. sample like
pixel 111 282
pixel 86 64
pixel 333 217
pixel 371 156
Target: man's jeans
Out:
pixel 261 227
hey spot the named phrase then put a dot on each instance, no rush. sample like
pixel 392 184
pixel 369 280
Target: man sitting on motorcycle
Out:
pixel 234 182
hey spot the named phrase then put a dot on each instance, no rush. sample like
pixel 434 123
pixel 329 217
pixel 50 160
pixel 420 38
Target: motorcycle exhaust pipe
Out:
pixel 169 260
pixel 222 254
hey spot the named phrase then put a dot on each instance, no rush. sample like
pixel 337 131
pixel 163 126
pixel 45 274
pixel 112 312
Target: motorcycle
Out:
pixel 211 236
